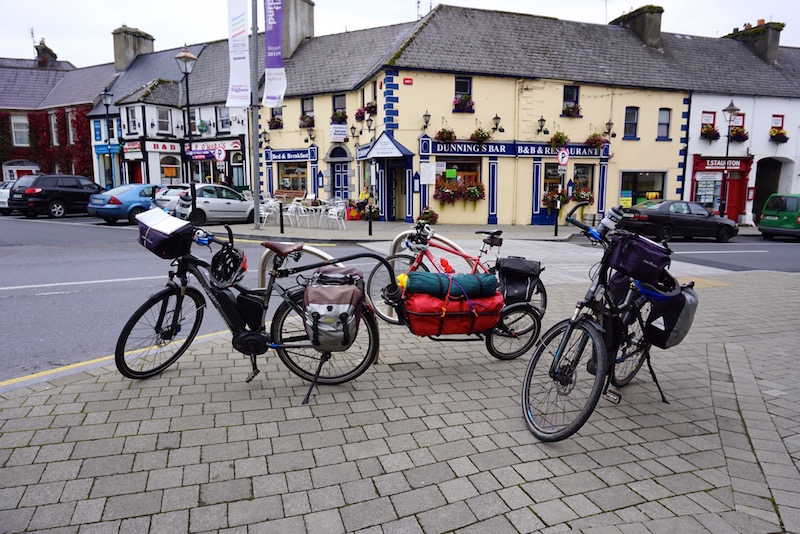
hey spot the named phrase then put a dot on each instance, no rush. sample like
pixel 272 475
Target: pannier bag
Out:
pixel 670 320
pixel 428 315
pixel 438 285
pixel 164 235
pixel 332 307
pixel 518 278
pixel 618 285
pixel 638 257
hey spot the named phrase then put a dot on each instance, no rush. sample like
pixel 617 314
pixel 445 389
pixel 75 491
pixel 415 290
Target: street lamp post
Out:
pixel 186 61
pixel 107 98
pixel 730 113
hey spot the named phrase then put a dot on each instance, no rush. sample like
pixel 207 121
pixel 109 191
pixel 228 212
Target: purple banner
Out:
pixel 274 73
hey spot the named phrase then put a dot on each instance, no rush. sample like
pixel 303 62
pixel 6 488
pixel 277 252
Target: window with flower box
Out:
pixel 462 103
pixel 570 106
pixel 664 116
pixel 631 123
pixel 461 170
pixel 583 176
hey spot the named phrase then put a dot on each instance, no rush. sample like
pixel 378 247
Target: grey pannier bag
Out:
pixel 670 320
pixel 332 306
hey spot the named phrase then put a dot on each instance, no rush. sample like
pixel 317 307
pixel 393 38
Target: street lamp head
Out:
pixel 106 97
pixel 730 111
pixel 186 60
pixel 369 124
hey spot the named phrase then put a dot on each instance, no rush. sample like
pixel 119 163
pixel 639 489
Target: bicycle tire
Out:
pixel 539 298
pixel 554 409
pixel 379 278
pixel 515 333
pixel 633 350
pixel 288 327
pixel 145 348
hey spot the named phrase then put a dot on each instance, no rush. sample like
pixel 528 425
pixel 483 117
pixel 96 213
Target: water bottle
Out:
pixel 609 222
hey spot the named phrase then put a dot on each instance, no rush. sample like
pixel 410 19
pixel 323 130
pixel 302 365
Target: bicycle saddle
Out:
pixel 493 233
pixel 282 249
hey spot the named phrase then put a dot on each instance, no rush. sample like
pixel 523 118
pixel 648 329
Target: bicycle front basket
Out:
pixel 164 235
pixel 639 258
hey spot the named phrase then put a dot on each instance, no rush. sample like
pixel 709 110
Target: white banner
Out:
pixel 274 72
pixel 239 56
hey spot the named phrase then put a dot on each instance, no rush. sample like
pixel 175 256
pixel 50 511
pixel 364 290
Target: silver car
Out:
pixel 215 203
pixel 167 196
pixel 5 191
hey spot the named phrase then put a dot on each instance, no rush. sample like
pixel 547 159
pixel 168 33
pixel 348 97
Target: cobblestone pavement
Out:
pixel 431 439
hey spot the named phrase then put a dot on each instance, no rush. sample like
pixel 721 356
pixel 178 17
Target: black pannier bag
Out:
pixel 638 257
pixel 164 235
pixel 332 306
pixel 670 320
pixel 518 277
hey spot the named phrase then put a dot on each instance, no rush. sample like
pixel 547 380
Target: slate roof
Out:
pixel 79 86
pixel 23 85
pixel 158 92
pixel 208 83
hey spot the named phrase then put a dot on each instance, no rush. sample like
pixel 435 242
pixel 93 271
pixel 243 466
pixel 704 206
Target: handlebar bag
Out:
pixel 164 235
pixel 332 304
pixel 670 320
pixel 428 315
pixel 638 257
pixel 518 277
pixel 438 285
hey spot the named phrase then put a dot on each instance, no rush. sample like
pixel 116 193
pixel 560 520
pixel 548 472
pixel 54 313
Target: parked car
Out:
pixel 53 194
pixel 780 216
pixel 665 219
pixel 215 203
pixel 123 202
pixel 167 196
pixel 5 192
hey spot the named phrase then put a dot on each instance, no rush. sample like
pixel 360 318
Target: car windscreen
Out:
pixel 24 182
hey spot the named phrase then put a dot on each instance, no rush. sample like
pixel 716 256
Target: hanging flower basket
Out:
pixel 444 192
pixel 738 134
pixel 559 140
pixel 275 123
pixel 571 111
pixel 709 132
pixel 339 117
pixel 480 136
pixel 427 215
pixel 583 194
pixel 371 107
pixel 359 114
pixel 778 135
pixel 306 121
pixel 596 140
pixel 445 135
pixel 551 199
pixel 463 104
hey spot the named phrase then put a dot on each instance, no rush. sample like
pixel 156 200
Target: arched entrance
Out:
pixel 338 160
pixel 768 173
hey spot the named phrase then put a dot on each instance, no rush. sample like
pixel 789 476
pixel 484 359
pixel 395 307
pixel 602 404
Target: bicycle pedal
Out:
pixel 614 398
pixel 252 375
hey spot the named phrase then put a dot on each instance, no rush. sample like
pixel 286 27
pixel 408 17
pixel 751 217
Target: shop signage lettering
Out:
pixel 132 147
pixel 211 146
pixel 538 149
pixel 720 164
pixel 288 155
pixel 156 146
pixel 499 149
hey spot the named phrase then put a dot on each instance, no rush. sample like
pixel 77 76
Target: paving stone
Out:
pixel 119 485
pixel 208 518
pixel 52 516
pixel 88 511
pixel 446 518
pixel 254 511
pixel 334 474
pixel 326 498
pixel 177 521
pixel 418 500
pixel 525 521
pixel 324 522
pixel 219 492
pixel 138 504
pixel 429 474
pixel 16 520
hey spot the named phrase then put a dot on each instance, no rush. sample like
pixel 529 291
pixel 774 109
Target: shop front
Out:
pixel 706 189
pixel 386 167
pixel 291 169
pixel 133 162
pixel 219 161
pixel 164 164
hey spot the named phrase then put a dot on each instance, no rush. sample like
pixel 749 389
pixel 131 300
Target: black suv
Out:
pixel 53 194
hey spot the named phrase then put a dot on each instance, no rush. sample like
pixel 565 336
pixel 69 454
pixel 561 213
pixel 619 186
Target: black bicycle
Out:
pixel 162 329
pixel 604 342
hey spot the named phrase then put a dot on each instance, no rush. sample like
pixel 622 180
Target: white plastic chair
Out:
pixel 334 214
pixel 296 212
pixel 269 209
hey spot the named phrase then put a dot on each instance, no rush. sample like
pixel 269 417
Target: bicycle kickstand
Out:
pixel 255 371
pixel 324 358
pixel 653 374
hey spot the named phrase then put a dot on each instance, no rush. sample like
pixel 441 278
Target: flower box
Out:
pixel 778 135
pixel 339 117
pixel 428 216
pixel 463 104
pixel 559 140
pixel 738 135
pixel 306 121
pixel 275 123
pixel 709 132
pixel 360 114
pixel 571 111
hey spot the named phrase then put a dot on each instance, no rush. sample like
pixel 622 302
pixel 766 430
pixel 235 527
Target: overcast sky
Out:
pixel 79 31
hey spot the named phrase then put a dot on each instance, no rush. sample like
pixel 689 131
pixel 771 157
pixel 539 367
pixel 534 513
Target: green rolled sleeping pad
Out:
pixel 436 284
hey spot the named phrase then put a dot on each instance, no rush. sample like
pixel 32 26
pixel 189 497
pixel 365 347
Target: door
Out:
pixel 682 219
pixel 210 203
pixel 399 194
pixel 736 197
pixel 69 189
pixel 233 205
pixel 340 171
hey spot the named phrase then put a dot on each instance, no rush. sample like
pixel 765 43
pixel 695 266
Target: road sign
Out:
pixel 563 156
pixel 219 153
pixel 562 170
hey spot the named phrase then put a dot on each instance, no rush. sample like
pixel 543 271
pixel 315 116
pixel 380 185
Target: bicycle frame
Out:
pixel 474 261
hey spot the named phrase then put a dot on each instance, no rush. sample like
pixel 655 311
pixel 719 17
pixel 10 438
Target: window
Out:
pixel 663 124
pixel 70 129
pixel 570 106
pixel 461 170
pixel 170 170
pixel 164 123
pixel 193 116
pixel 551 179
pixel 293 176
pixel 639 184
pixel 708 117
pixel 53 130
pixel 583 177
pixel 19 127
pixel 631 122
pixel 224 119
pixel 463 96
pixel 131 114
pixel 339 103
pixel 110 128
pixel 308 107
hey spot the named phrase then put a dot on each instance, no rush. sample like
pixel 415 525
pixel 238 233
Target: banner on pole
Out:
pixel 238 56
pixel 274 73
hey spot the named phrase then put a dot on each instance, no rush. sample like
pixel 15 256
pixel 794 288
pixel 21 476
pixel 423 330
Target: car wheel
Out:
pixel 768 237
pixel 250 218
pixel 56 209
pixel 132 215
pixel 724 234
pixel 197 217
pixel 110 220
pixel 665 233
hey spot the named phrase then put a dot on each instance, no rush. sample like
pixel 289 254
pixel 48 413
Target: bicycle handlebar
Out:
pixel 579 224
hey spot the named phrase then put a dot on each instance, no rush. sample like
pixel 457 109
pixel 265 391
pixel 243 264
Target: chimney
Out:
pixel 45 57
pixel 645 23
pixel 763 40
pixel 298 24
pixel 129 43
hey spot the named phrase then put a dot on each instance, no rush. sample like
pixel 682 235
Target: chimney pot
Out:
pixel 760 22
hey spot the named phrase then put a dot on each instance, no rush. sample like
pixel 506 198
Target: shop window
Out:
pixel 641 186
pixel 53 130
pixel 224 119
pixel 164 123
pixel 551 177
pixel 570 107
pixel 19 128
pixel 170 170
pixel 293 176
pixel 631 123
pixel 131 116
pixel 583 177
pixel 461 170
pixel 664 115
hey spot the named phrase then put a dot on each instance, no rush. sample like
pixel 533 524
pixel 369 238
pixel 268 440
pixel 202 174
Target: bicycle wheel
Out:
pixel 288 327
pixel 539 298
pixel 559 394
pixel 379 279
pixel 515 333
pixel 633 350
pixel 148 343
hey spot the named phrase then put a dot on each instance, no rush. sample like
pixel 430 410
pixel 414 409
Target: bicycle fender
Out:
pixel 589 319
